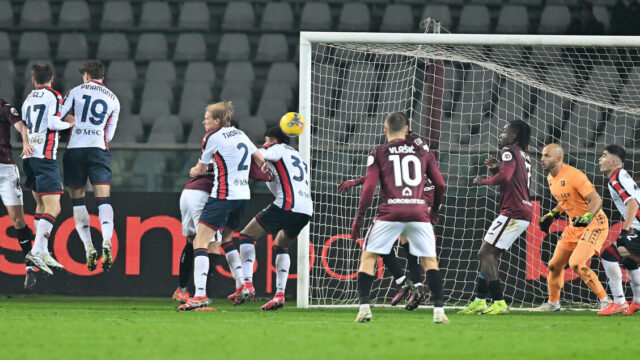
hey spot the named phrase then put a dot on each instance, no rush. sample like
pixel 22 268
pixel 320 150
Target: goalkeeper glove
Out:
pixel 547 220
pixel 583 221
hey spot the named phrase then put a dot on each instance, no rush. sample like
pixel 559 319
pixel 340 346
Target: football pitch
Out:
pixel 56 327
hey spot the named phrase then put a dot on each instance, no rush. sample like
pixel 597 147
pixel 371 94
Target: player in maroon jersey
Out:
pixel 400 166
pixel 513 174
pixel 10 190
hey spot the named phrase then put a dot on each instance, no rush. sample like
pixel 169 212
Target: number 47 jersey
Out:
pixel 96 109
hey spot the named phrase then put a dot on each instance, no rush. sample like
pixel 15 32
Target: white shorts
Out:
pixel 10 190
pixel 504 231
pixel 383 234
pixel 191 205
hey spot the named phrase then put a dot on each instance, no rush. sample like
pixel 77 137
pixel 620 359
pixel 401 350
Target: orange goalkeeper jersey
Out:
pixel 569 188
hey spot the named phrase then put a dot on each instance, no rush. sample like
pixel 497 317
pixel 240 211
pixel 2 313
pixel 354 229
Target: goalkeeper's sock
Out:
pixel 614 279
pixel 186 263
pixel 364 287
pixel 482 288
pixel 434 280
pixel 283 262
pixel 413 263
pixel 391 262
pixel 200 271
pixel 497 290
pixel 634 278
pixel 248 256
pixel 233 258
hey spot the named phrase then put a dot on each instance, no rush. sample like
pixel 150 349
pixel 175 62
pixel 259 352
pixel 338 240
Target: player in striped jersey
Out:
pixel 231 151
pixel 626 252
pixel 87 156
pixel 41 110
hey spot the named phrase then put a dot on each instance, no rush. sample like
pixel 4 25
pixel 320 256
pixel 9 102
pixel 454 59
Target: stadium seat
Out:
pixel 605 3
pixel 238 16
pixel 233 47
pixel 621 129
pixel 477 84
pixel 254 127
pixel 513 19
pixel 563 2
pixel 157 90
pixel 315 16
pixel 239 71
pixel 285 72
pixel 152 46
pixel 271 110
pixel 168 125
pixel 200 71
pixel 192 110
pixel 74 15
pixel 601 83
pixel 156 15
pixel 579 131
pixel 117 15
pixel 357 92
pixel 324 87
pixel 395 91
pixel 549 109
pixel 153 109
pixel 35 15
pixel 72 46
pixel 5 46
pixel 514 99
pixel 113 46
pixel 8 91
pixel 33 45
pixel 7 69
pixel 602 15
pixel 196 90
pixel 194 16
pixel 277 16
pixel 272 47
pixel 196 134
pixel 124 92
pixel 240 109
pixel 71 75
pixel 278 91
pixel 487 2
pixel 529 3
pixel 131 125
pixel 190 47
pixel 397 18
pixel 161 138
pixel 554 19
pixel 6 13
pixel 354 17
pixel 235 90
pixel 122 70
pixel 161 71
pixel 474 19
pixel 439 12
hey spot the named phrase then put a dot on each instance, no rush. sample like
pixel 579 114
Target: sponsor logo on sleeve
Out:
pixel 506 156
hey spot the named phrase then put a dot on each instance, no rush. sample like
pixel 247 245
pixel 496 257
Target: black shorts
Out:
pixel 274 218
pixel 42 176
pixel 223 214
pixel 82 163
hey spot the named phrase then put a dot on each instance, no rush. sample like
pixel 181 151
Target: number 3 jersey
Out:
pixel 290 185
pixel 96 109
pixel 41 112
pixel 230 150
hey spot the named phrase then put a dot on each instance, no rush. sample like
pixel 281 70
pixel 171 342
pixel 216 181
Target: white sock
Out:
pixel 235 265
pixel 105 212
pixel 614 279
pixel 554 303
pixel 81 217
pixel 32 268
pixel 200 271
pixel 283 261
pixel 41 244
pixel 400 279
pixel 438 310
pixel 248 254
pixel 634 278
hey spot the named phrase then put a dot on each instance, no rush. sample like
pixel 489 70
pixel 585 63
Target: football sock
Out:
pixel 45 225
pixel 634 278
pixel 24 239
pixel 497 290
pixel 248 256
pixel 364 287
pixel 413 263
pixel 105 213
pixel 36 218
pixel 283 261
pixel 400 280
pixel 82 220
pixel 391 262
pixel 200 271
pixel 233 258
pixel 614 279
pixel 434 280
pixel 186 262
pixel 482 288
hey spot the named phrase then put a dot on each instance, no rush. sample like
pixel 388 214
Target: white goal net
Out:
pixel 459 96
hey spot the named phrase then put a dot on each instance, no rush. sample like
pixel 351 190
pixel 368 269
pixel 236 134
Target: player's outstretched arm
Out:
pixel 504 174
pixel 492 164
pixel 368 190
pixel 595 203
pixel 348 184
pixel 27 149
pixel 434 174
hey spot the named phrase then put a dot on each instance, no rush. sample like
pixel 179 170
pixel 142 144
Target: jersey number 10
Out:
pixel 402 173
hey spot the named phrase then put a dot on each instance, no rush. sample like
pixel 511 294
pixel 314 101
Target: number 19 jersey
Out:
pixel 291 178
pixel 96 109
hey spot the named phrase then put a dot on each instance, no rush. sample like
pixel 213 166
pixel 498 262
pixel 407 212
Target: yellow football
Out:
pixel 292 124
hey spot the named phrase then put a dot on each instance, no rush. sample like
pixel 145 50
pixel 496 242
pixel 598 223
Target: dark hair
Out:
pixel 396 122
pixel 42 72
pixel 522 131
pixel 276 133
pixel 616 150
pixel 94 68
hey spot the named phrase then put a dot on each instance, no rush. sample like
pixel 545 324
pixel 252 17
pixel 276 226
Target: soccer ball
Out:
pixel 292 124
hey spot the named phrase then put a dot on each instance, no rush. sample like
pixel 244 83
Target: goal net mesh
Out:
pixel 459 98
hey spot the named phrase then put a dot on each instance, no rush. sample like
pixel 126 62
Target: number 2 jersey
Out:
pixel 623 189
pixel 41 112
pixel 290 185
pixel 96 109
pixel 230 150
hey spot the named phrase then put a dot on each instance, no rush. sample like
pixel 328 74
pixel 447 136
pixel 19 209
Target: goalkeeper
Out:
pixel 586 234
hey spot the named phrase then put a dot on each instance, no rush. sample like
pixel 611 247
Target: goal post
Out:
pixel 580 91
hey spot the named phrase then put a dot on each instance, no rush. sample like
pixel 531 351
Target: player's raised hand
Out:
pixel 477 181
pixel 547 220
pixel 491 162
pixel 583 221
pixel 356 226
pixel 346 185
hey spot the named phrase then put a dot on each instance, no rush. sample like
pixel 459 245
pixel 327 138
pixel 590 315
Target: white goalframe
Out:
pixel 307 39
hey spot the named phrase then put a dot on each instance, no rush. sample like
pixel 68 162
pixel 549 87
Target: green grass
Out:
pixel 55 327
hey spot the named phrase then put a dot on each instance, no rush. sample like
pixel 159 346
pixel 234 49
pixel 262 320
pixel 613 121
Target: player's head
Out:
pixel 92 70
pixel 41 74
pixel 612 158
pixel 552 156
pixel 396 125
pixel 516 132
pixel 218 115
pixel 274 135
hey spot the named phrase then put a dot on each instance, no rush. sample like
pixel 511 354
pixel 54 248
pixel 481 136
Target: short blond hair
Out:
pixel 222 110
